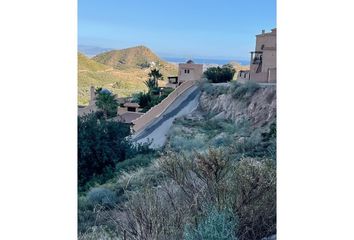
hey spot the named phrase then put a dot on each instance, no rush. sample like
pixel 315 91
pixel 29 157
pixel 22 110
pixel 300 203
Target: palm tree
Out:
pixel 156 75
pixel 107 103
pixel 151 84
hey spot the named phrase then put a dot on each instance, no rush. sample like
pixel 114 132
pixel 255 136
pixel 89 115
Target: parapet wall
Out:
pixel 157 110
pixel 86 110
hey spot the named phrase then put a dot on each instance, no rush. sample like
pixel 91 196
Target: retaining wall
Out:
pixel 156 111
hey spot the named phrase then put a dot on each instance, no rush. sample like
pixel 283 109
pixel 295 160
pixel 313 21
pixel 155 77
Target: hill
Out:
pixel 86 64
pixel 139 57
pixel 122 79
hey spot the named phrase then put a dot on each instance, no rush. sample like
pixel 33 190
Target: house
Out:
pixel 188 71
pixel 131 107
pixel 128 112
pixel 263 66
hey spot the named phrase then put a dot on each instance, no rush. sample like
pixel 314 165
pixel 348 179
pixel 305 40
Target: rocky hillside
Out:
pixel 251 102
pixel 134 57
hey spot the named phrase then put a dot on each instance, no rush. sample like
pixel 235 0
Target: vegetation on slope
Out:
pixel 224 171
pixel 107 103
pixel 87 64
pixel 134 57
pixel 124 80
pixel 101 145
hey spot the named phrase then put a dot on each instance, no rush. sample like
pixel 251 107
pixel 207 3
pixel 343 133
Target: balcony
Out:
pixel 256 57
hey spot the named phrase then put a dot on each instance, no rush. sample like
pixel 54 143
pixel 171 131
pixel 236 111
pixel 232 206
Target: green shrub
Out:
pixel 258 145
pixel 181 143
pixel 143 99
pixel 140 160
pixel 98 233
pixel 255 198
pixel 245 91
pixel 166 91
pixel 217 225
pixel 209 89
pixel 101 196
pixel 152 98
pixel 220 74
pixel 101 144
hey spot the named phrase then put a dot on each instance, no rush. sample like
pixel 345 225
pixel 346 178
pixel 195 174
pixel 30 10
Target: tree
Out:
pixel 143 99
pixel 101 144
pixel 155 75
pixel 107 103
pixel 150 84
pixel 220 74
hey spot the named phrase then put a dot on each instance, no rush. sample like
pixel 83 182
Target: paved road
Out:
pixel 158 129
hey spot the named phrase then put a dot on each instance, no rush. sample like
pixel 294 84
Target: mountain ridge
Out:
pixel 122 79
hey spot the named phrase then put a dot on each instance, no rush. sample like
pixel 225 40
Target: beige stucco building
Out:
pixel 189 71
pixel 186 72
pixel 263 64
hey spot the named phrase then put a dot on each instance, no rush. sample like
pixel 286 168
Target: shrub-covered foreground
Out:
pixel 213 193
pixel 214 179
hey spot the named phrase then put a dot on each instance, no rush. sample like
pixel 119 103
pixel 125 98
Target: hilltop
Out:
pixel 134 57
pixel 121 71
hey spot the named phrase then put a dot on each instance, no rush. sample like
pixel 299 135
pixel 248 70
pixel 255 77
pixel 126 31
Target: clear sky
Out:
pixel 177 28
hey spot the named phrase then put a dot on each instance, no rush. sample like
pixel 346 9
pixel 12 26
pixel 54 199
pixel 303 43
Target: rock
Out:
pixel 259 109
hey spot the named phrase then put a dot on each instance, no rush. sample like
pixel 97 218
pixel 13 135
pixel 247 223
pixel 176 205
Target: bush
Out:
pixel 148 100
pixel 101 196
pixel 143 99
pixel 217 225
pixel 140 160
pixel 180 143
pixel 98 232
pixel 255 202
pixel 244 91
pixel 101 144
pixel 220 74
pixel 258 145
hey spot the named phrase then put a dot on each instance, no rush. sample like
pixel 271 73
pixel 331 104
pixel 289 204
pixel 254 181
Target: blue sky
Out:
pixel 219 29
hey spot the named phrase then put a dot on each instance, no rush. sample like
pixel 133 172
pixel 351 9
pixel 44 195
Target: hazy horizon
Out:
pixel 91 51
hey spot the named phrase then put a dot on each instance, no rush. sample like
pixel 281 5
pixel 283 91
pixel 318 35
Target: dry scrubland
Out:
pixel 214 179
pixel 121 71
